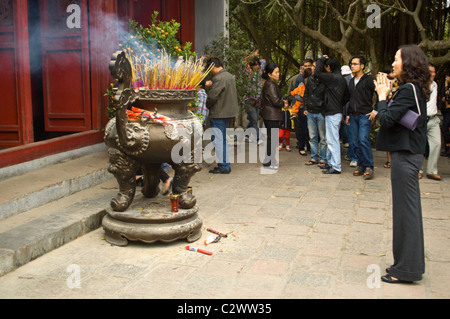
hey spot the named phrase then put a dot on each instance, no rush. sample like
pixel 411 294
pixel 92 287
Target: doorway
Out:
pixel 59 68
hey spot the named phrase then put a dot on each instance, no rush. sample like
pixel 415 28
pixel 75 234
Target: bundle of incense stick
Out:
pixel 163 74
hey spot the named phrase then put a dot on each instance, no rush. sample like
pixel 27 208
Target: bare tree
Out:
pixel 425 42
pixel 342 26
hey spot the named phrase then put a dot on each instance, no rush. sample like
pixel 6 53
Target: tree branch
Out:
pixel 345 19
pixel 250 2
pixel 434 45
pixel 287 55
pixel 441 59
pixel 292 14
pixel 414 14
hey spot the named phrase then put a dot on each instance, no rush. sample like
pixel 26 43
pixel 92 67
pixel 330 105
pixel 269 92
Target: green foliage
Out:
pixel 233 52
pixel 110 110
pixel 157 36
pixel 273 34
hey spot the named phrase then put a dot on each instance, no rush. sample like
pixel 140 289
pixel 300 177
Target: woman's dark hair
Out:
pixel 307 73
pixel 415 68
pixel 269 70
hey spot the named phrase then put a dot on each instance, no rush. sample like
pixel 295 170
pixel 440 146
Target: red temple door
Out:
pixel 15 119
pixel 65 65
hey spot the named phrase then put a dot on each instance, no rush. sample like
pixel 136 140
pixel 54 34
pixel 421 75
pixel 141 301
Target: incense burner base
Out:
pixel 151 221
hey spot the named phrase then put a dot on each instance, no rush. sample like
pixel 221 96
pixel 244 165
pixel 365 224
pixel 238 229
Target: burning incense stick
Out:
pixel 163 74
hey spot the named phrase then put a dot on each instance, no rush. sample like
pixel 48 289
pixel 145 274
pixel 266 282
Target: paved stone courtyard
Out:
pixel 294 234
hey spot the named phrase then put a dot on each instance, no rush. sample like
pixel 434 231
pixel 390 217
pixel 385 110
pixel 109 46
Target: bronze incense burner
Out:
pixel 146 142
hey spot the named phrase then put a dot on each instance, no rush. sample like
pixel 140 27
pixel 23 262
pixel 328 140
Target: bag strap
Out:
pixel 417 101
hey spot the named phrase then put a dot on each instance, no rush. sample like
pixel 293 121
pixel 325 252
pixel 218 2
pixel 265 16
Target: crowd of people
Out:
pixel 326 104
pixel 327 101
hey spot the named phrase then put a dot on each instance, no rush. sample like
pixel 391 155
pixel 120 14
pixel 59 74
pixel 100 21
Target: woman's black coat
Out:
pixel 392 135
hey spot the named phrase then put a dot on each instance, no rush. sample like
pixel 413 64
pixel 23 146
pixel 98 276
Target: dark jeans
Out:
pixel 270 149
pixel 343 133
pixel 445 128
pixel 351 143
pixel 360 127
pixel 301 130
pixel 253 117
pixel 219 127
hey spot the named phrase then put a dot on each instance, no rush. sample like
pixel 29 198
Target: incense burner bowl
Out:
pixel 143 145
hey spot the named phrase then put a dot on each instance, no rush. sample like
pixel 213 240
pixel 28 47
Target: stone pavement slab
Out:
pixel 292 235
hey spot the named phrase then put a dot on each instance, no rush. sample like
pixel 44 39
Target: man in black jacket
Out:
pixel 328 71
pixel 360 116
pixel 313 102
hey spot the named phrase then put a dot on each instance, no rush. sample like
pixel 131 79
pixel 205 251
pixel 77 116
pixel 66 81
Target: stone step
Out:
pixel 38 187
pixel 29 235
pixel 50 202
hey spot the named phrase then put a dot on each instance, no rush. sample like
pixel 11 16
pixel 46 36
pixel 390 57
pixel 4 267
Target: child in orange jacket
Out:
pixel 300 90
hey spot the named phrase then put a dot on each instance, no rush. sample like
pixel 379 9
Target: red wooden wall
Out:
pixel 75 70
pixel 65 67
pixel 15 117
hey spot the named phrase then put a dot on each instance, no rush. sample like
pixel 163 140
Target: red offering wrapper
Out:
pixel 174 202
pixel 199 250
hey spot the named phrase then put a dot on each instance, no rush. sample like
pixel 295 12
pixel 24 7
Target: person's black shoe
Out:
pixel 331 171
pixel 218 170
pixel 324 166
pixel 391 280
